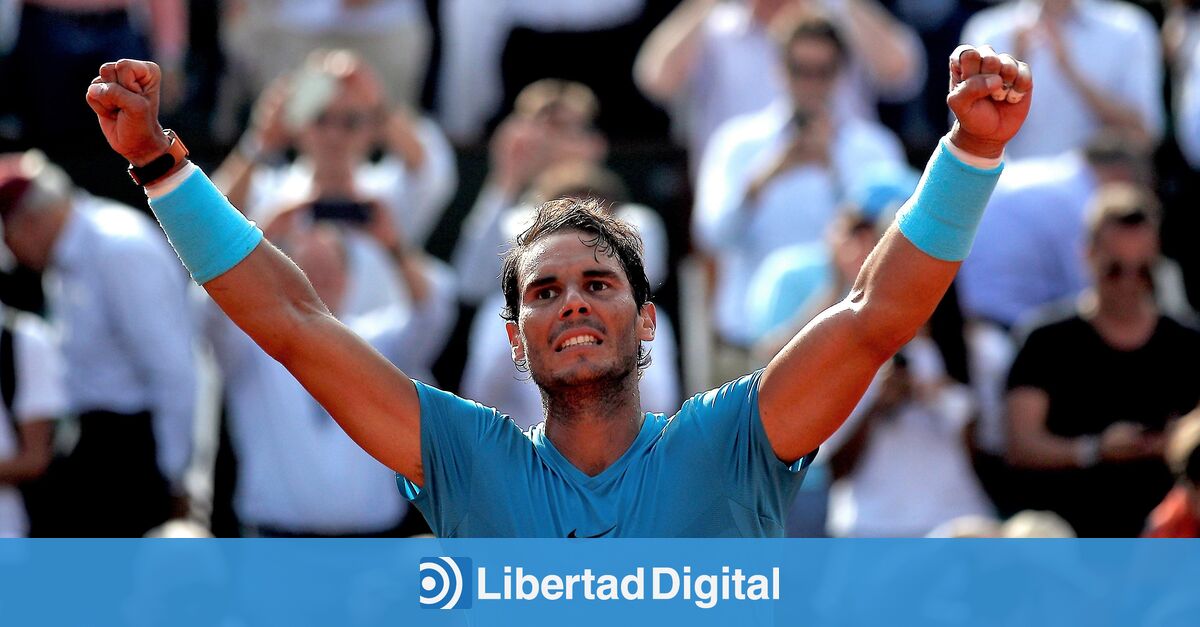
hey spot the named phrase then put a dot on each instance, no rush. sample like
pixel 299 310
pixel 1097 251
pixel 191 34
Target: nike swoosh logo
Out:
pixel 599 535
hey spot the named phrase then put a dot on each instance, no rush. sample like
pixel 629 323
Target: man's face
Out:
pixel 569 136
pixel 852 240
pixel 578 321
pixel 812 67
pixel 1122 263
pixel 29 239
pixel 342 133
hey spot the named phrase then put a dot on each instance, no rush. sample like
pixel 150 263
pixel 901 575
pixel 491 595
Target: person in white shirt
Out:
pixel 298 473
pixel 551 124
pixel 901 458
pixel 334 111
pixel 117 297
pixel 1120 87
pixel 775 178
pixel 31 372
pixel 491 377
pixel 1187 113
pixel 714 61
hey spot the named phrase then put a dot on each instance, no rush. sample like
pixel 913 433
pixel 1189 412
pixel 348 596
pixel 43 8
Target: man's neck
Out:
pixel 1125 327
pixel 593 426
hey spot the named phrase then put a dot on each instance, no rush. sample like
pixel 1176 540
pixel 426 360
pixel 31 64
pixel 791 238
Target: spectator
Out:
pixel 1029 250
pixel 785 295
pixel 1090 395
pixel 551 124
pixel 474 32
pixel 715 61
pixel 31 381
pixel 1121 87
pixel 775 178
pixel 334 111
pixel 1178 516
pixel 797 282
pixel 902 467
pixel 59 45
pixel 120 301
pixel 1187 125
pixel 492 378
pixel 298 473
pixel 1028 256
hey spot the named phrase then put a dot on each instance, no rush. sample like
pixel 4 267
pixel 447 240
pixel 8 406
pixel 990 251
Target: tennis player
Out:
pixel 727 464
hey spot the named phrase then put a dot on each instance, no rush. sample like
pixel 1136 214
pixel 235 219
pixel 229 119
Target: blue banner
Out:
pixel 600 582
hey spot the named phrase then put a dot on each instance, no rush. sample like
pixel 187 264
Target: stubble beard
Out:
pixel 586 384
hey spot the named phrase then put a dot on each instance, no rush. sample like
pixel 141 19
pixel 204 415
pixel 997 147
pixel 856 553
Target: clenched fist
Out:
pixel 125 98
pixel 989 95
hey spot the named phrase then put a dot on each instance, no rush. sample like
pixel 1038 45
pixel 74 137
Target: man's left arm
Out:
pixel 814 383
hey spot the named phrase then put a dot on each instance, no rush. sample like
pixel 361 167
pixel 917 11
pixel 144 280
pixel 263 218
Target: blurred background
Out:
pixel 393 147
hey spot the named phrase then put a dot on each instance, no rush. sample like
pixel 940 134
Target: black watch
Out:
pixel 160 166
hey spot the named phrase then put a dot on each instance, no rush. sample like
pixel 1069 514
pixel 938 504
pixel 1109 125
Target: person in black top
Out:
pixel 1090 395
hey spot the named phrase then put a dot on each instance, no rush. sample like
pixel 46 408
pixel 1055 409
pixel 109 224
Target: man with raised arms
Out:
pixel 727 464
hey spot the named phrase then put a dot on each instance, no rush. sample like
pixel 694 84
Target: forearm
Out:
pixel 269 298
pixel 412 266
pixel 882 43
pixel 258 287
pixel 1044 451
pixel 169 30
pixel 666 60
pixel 896 292
pixel 1108 111
pixel 34 455
pixel 403 141
pixel 907 274
pixel 23 468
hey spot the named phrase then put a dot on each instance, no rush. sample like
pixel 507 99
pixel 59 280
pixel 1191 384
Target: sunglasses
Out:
pixel 812 72
pixel 1117 270
pixel 348 122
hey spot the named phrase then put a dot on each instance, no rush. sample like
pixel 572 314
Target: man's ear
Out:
pixel 647 322
pixel 514 341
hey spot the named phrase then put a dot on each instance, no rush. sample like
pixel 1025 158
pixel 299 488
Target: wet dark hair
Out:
pixel 609 236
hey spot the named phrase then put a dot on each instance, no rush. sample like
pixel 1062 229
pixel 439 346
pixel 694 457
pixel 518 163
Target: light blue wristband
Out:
pixel 942 216
pixel 207 233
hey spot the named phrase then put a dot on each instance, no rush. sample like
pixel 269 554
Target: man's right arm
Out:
pixel 260 289
pixel 270 299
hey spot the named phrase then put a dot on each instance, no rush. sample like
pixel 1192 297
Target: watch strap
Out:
pixel 162 165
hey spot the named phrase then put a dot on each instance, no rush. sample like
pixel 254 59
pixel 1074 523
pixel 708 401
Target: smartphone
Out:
pixel 341 210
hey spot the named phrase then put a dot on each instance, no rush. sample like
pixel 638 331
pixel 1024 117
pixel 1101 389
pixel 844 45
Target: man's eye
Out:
pixel 596 286
pixel 546 293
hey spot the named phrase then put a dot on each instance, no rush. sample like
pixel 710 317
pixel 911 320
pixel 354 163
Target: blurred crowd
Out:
pixel 392 148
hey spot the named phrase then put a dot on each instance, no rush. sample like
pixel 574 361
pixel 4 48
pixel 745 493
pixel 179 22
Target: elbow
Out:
pixel 288 339
pixel 884 330
pixel 654 82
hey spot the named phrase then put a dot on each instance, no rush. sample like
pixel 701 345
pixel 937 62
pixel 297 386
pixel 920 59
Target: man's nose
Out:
pixel 574 303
